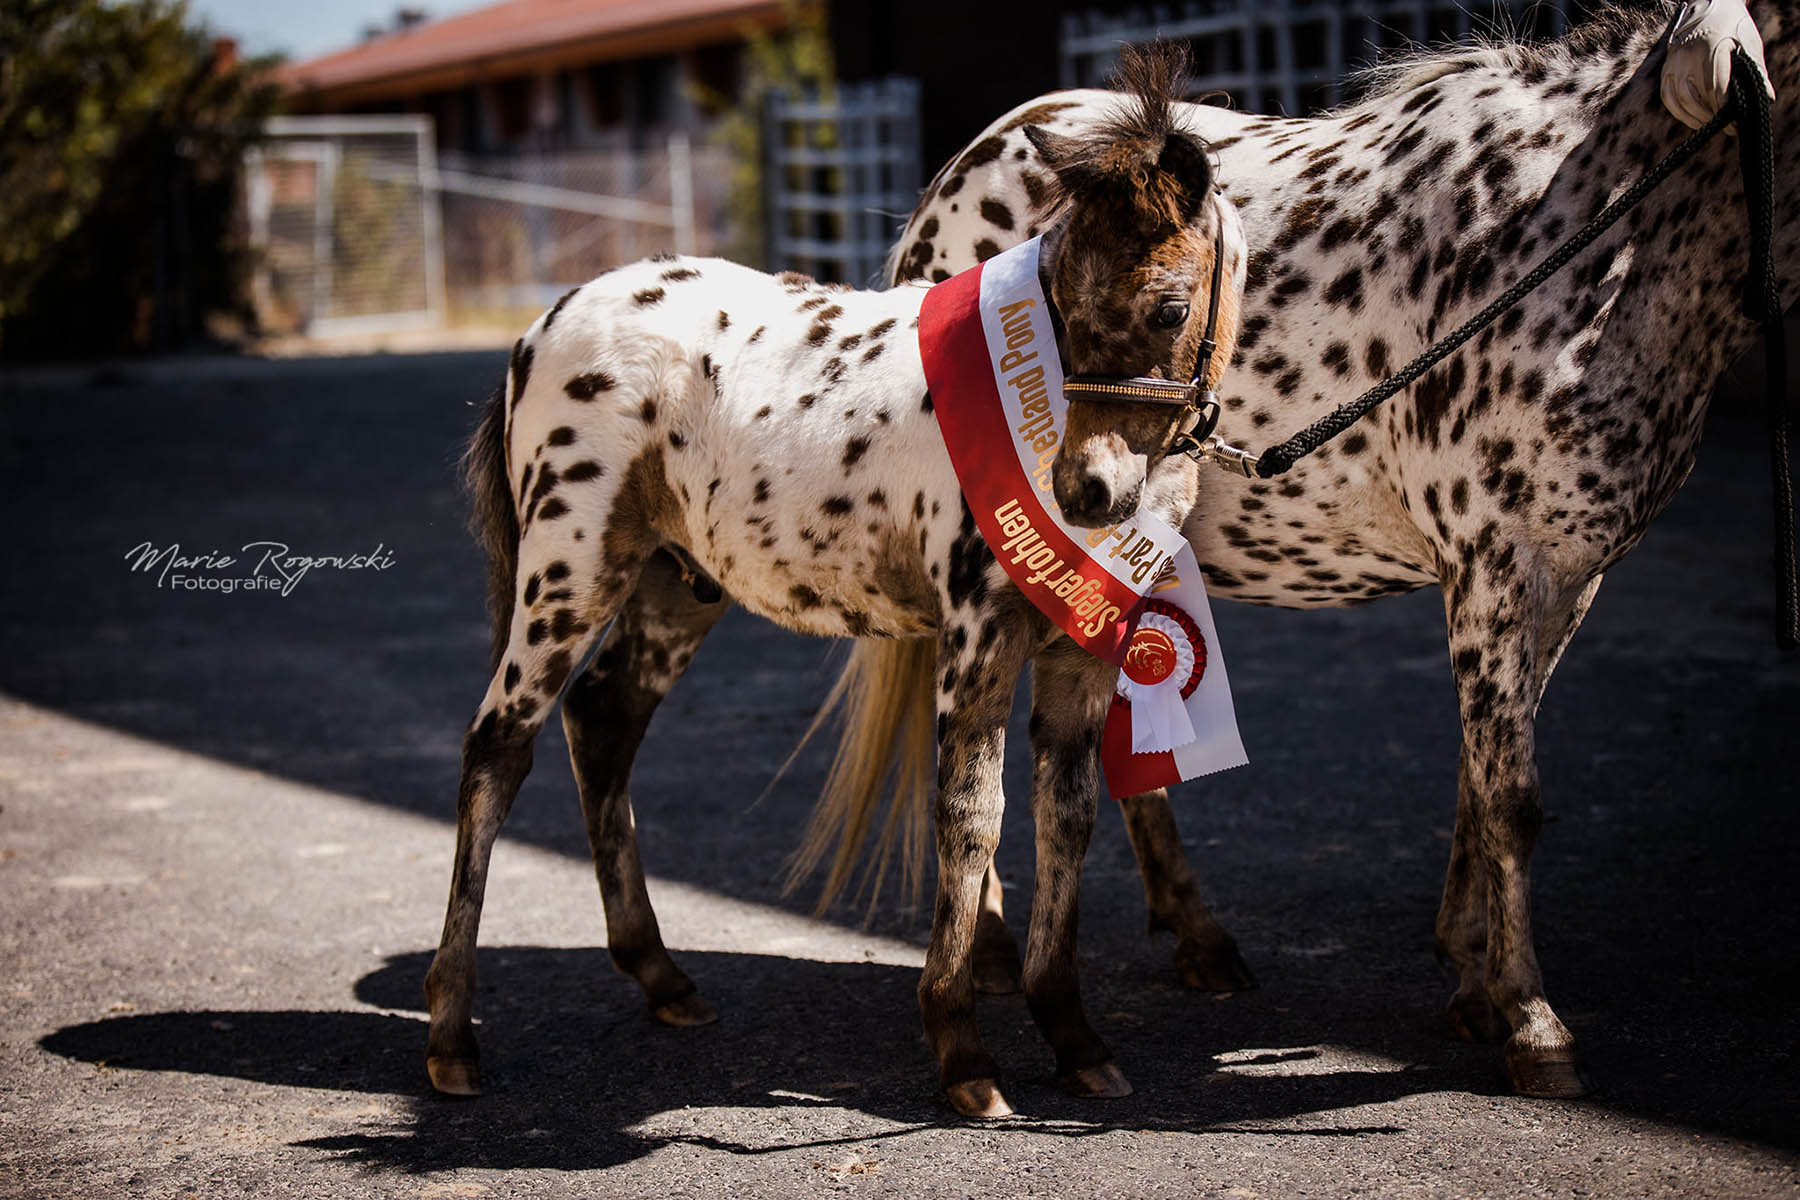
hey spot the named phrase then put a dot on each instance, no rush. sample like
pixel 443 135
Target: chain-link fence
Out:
pixel 360 227
pixel 520 230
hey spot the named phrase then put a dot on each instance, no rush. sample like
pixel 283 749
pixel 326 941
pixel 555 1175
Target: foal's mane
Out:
pixel 1153 78
pixel 1140 158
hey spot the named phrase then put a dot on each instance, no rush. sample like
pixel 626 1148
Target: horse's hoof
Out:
pixel 977 1098
pixel 1104 1082
pixel 1212 967
pixel 455 1076
pixel 1474 1019
pixel 686 1011
pixel 1546 1074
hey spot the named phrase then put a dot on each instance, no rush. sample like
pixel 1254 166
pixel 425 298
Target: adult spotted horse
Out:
pixel 1513 474
pixel 777 435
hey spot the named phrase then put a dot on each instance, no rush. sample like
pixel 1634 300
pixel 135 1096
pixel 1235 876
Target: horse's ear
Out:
pixel 1184 159
pixel 1056 149
pixel 1070 159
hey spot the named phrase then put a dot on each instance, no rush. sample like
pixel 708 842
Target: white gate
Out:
pixel 344 216
pixel 842 176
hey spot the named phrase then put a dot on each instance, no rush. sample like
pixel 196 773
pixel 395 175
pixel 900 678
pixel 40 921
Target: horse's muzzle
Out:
pixel 1094 499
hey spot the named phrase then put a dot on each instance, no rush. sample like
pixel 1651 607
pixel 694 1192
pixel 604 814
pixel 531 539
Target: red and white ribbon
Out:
pixel 1172 718
pixel 1163 665
pixel 989 349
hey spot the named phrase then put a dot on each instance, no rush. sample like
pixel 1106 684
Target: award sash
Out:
pixel 990 355
pixel 991 361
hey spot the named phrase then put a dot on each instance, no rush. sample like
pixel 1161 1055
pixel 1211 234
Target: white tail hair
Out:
pixel 884 695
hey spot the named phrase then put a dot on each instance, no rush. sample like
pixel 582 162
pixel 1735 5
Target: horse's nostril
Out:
pixel 1095 495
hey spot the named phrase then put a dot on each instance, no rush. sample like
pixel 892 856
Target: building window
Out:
pixel 654 83
pixel 512 108
pixel 716 73
pixel 605 95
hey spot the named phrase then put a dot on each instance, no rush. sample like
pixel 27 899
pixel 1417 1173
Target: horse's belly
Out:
pixel 832 550
pixel 869 582
pixel 833 604
pixel 1266 548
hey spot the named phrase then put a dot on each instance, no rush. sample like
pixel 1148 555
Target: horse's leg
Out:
pixel 605 714
pixel 546 641
pixel 1206 956
pixel 1462 923
pixel 979 660
pixel 1071 690
pixel 1504 640
pixel 1462 920
pixel 995 958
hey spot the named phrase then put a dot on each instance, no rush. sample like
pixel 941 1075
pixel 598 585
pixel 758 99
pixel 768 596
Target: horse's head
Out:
pixel 1145 268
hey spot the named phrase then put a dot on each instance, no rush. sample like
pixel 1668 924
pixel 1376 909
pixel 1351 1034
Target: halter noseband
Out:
pixel 1200 401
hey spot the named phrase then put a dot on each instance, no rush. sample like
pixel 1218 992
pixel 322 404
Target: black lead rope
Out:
pixel 1749 107
pixel 1762 301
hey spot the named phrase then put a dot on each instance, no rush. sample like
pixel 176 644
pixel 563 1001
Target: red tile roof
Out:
pixel 518 36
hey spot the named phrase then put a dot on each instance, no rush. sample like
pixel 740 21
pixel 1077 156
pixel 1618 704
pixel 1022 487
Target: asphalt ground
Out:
pixel 225 834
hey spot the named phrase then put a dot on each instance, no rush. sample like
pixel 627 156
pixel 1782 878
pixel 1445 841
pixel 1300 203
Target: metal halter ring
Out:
pixel 1196 430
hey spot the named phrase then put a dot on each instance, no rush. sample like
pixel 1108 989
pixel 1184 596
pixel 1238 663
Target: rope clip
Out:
pixel 1200 443
pixel 1234 460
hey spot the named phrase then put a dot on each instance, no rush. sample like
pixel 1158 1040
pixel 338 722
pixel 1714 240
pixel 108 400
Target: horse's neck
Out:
pixel 1475 175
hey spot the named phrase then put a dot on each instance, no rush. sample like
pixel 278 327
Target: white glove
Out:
pixel 1697 71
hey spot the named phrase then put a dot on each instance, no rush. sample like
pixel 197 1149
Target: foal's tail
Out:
pixel 885 696
pixel 492 518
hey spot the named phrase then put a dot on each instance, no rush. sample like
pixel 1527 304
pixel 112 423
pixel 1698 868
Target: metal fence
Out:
pixel 1289 57
pixel 842 176
pixel 346 223
pixel 520 230
pixel 360 227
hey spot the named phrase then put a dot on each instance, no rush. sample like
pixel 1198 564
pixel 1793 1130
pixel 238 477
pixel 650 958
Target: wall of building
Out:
pixel 630 104
pixel 973 60
pixel 977 60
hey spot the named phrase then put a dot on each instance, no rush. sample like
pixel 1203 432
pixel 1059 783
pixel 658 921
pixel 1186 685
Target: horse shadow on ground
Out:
pixel 578 1075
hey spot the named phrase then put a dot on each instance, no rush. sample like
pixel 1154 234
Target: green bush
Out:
pixel 122 129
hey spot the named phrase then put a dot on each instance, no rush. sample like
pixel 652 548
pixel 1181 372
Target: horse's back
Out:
pixel 816 481
pixel 780 426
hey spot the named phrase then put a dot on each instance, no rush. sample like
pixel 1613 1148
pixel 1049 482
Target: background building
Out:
pixel 536 76
pixel 520 148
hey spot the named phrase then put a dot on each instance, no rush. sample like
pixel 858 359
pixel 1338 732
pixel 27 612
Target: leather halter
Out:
pixel 1200 401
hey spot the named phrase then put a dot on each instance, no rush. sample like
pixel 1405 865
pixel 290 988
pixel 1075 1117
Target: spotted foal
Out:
pixel 777 435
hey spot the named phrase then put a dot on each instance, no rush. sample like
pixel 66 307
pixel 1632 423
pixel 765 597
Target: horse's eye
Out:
pixel 1170 315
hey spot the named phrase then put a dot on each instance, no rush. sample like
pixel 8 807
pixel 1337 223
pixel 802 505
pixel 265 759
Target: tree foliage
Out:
pixel 121 133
